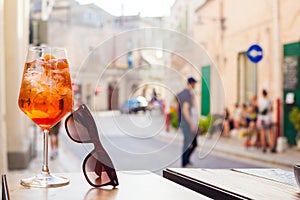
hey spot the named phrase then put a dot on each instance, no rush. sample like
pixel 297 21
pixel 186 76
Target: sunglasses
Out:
pixel 97 167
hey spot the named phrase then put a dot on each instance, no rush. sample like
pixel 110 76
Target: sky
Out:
pixel 146 8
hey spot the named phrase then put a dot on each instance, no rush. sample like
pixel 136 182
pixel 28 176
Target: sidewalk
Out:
pixel 65 162
pixel 233 147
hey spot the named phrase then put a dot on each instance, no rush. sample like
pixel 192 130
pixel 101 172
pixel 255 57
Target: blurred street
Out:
pixel 140 142
pixel 136 61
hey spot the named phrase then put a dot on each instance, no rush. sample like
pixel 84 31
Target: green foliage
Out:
pixel 294 117
pixel 204 124
pixel 174 119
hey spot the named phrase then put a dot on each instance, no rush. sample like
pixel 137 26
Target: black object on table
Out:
pixel 5 193
pixel 201 187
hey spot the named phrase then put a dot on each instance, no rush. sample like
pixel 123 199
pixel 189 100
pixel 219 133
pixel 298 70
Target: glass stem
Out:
pixel 45 169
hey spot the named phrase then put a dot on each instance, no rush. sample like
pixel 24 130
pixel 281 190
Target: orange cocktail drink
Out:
pixel 46 93
pixel 45 97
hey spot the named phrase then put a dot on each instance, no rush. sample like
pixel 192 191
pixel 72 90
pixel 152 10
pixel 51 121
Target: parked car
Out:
pixel 134 105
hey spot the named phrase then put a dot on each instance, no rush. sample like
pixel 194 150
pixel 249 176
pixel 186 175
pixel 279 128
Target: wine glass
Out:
pixel 45 97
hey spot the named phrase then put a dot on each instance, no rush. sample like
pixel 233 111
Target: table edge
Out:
pixel 200 186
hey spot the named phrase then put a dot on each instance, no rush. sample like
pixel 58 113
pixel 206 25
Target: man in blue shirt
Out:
pixel 186 121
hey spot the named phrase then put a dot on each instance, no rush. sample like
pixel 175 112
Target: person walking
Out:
pixel 54 131
pixel 265 122
pixel 186 121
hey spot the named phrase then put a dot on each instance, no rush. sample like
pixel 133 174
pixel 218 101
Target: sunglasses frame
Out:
pixel 98 148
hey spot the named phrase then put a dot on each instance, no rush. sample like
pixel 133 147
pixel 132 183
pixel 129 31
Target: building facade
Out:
pixel 210 92
pixel 227 28
pixel 100 61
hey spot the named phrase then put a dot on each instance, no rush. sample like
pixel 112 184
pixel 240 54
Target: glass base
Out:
pixel 45 181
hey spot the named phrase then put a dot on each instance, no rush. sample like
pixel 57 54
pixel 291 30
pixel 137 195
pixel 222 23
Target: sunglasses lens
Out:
pixel 76 130
pixel 97 173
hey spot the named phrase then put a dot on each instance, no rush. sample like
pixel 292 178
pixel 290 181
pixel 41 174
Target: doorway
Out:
pixel 205 91
pixel 290 87
pixel 113 97
pixel 247 79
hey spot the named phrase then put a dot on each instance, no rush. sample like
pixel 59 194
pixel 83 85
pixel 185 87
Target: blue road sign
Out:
pixel 255 53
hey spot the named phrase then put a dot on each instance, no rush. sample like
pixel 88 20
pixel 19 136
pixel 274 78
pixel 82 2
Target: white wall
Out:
pixel 3 155
pixel 16 31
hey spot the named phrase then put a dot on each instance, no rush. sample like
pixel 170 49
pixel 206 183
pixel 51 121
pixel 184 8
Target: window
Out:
pixel 247 78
